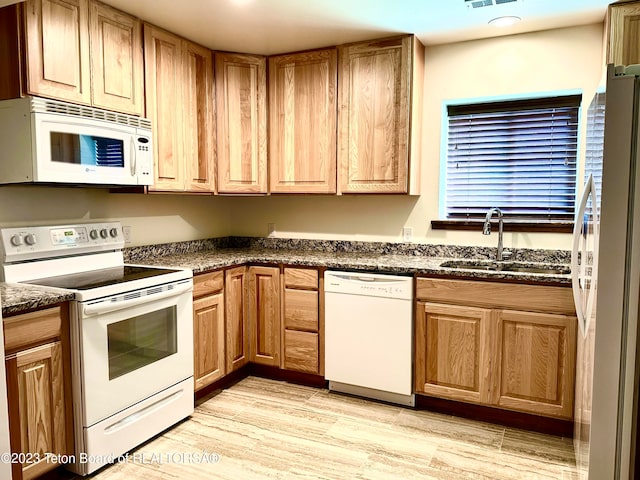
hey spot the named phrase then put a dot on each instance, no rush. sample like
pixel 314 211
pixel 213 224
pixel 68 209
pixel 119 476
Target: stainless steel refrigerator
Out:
pixel 606 270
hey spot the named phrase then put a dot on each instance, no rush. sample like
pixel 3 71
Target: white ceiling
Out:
pixel 277 26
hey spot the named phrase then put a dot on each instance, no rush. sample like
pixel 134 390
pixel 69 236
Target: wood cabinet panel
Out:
pixel 453 355
pixel 624 33
pixel 236 311
pixel 209 338
pixel 197 118
pixel 163 65
pixel 301 310
pixel 301 277
pixel 301 351
pixel 57 49
pixel 264 314
pixel 207 284
pixel 39 419
pixel 303 112
pixel 536 362
pixel 24 330
pixel 377 119
pixel 241 99
pixel 116 60
pixel 494 294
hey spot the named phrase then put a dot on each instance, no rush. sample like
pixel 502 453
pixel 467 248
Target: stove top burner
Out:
pixel 100 278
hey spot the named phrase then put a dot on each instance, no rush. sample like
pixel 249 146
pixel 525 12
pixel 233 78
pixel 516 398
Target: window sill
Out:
pixel 509 225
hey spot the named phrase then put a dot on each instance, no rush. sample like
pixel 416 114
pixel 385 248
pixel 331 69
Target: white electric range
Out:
pixel 131 333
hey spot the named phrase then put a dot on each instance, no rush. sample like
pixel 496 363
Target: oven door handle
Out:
pixel 107 307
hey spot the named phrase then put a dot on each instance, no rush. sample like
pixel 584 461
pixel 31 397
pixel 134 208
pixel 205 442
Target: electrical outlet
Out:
pixel 407 234
pixel 126 233
pixel 271 229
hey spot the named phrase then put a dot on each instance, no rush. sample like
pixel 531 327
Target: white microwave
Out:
pixel 49 141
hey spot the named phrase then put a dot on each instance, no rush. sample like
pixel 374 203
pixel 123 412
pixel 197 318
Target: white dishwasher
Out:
pixel 369 335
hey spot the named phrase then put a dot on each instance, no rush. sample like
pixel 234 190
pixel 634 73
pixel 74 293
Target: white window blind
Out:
pixel 519 156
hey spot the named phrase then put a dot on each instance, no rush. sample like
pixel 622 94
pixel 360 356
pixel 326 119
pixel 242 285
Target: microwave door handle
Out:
pixel 133 157
pixel 107 307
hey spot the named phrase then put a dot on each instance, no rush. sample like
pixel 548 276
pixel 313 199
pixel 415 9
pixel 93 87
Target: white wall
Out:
pixel 552 60
pixel 153 218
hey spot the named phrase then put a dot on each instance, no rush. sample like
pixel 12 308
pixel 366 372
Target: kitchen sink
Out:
pixel 516 267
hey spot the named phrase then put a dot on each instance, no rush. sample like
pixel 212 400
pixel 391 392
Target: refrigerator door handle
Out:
pixel 578 265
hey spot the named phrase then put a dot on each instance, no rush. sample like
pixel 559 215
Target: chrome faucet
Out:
pixel 486 230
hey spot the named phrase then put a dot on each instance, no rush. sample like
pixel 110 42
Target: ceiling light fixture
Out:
pixel 504 21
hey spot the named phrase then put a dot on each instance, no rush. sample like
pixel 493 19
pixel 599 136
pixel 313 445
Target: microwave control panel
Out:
pixel 31 243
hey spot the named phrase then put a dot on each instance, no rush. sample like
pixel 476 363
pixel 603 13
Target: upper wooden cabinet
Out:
pixel 179 85
pixel 116 60
pixel 380 116
pixel 241 120
pixel 75 50
pixel 303 111
pixel 624 33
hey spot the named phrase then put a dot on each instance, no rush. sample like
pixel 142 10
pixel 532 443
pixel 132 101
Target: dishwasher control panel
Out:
pixel 372 284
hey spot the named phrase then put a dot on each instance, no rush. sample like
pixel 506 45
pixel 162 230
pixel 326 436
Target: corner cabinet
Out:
pixel 624 33
pixel 241 121
pixel 380 116
pixel 303 113
pixel 179 86
pixel 80 51
pixel 38 369
pixel 264 315
pixel 505 345
pixel 237 318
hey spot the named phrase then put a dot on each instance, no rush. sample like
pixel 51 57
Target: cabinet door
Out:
pixel 264 314
pixel 163 66
pixel 197 115
pixel 624 33
pixel 116 60
pixel 57 41
pixel 302 138
pixel 209 339
pixel 375 100
pixel 241 120
pixel 38 420
pixel 237 344
pixel 535 367
pixel 453 351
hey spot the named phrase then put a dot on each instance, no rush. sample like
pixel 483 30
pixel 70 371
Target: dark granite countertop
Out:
pixel 409 259
pixel 18 298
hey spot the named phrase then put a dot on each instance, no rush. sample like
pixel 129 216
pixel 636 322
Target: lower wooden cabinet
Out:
pixel 264 314
pixel 301 321
pixel 506 345
pixel 39 389
pixel 452 356
pixel 237 343
pixel 208 329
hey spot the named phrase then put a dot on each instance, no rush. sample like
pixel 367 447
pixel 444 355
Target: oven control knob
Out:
pixel 93 234
pixel 30 239
pixel 104 233
pixel 113 232
pixel 16 240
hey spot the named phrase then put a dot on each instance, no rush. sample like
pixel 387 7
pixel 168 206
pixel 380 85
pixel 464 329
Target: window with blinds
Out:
pixel 517 155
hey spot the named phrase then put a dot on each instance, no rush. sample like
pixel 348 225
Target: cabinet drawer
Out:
pixel 207 283
pixel 301 351
pixel 537 298
pixel 301 277
pixel 301 310
pixel 32 328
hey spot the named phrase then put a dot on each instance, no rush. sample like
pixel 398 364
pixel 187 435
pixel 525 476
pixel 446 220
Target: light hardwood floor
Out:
pixel 265 429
